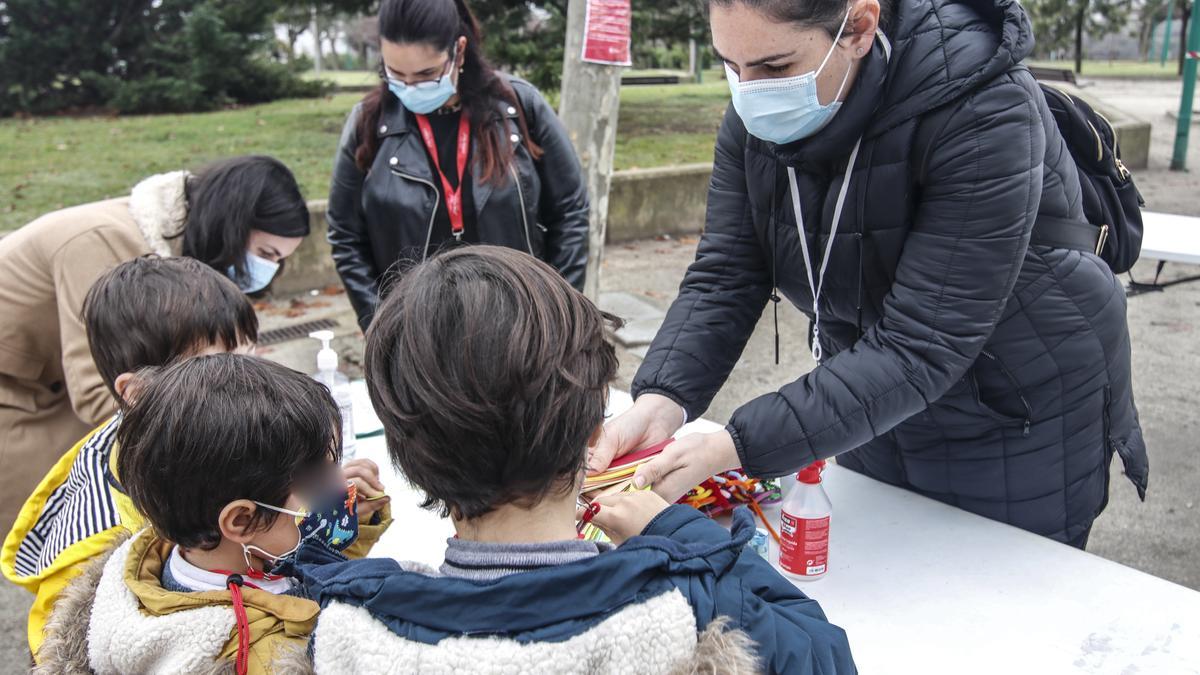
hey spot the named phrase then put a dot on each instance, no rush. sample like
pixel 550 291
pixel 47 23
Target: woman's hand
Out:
pixel 365 475
pixel 652 419
pixel 626 514
pixel 687 462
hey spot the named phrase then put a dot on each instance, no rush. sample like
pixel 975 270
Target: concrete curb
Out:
pixel 643 203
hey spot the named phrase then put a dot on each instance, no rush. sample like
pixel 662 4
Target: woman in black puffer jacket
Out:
pixel 958 359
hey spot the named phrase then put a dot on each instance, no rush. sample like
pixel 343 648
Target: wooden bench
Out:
pixel 1053 74
pixel 636 80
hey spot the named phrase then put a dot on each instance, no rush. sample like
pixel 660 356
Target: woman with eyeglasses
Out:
pixel 448 151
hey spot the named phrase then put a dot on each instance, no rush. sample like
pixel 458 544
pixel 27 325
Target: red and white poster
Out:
pixel 606 32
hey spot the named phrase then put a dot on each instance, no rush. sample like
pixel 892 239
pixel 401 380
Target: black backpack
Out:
pixel 1112 204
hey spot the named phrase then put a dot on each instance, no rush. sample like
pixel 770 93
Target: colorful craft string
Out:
pixel 724 491
pixel 715 496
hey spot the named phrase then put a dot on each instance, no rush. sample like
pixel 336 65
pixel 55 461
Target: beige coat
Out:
pixel 50 392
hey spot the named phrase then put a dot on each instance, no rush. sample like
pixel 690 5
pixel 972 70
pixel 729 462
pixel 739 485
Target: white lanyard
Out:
pixel 818 283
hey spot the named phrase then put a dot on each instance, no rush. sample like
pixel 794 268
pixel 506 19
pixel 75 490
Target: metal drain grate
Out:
pixel 287 333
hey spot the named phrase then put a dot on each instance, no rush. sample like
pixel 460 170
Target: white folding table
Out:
pixel 1166 238
pixel 922 587
pixel 1171 238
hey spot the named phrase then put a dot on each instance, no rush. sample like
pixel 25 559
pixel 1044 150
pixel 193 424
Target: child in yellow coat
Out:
pixel 233 461
pixel 142 314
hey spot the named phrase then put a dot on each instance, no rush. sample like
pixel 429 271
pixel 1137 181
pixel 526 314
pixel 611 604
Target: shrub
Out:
pixel 145 57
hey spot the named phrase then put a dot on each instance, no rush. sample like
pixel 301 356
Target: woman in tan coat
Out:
pixel 241 216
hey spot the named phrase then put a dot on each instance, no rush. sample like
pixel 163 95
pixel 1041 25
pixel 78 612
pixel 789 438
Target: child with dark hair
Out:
pixel 141 314
pixel 490 374
pixel 233 460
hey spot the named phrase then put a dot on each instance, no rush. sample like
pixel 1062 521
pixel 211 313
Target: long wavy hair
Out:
pixel 439 23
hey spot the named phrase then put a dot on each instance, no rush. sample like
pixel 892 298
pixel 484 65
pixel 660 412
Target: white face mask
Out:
pixel 783 110
pixel 274 558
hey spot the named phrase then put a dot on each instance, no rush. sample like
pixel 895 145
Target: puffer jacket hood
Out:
pixel 941 64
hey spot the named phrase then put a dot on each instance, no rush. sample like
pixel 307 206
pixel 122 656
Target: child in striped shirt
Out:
pixel 142 314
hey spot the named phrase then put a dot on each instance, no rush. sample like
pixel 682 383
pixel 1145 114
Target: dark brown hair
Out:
pixel 150 310
pixel 489 372
pixel 229 198
pixel 439 23
pixel 210 430
pixel 824 14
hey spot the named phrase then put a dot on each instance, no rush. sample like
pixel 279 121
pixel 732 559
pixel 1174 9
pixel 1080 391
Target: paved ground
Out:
pixel 1160 536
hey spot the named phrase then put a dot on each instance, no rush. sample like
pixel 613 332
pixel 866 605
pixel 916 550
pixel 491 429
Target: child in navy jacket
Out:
pixel 490 374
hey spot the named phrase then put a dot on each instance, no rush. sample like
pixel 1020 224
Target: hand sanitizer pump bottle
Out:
pixel 338 385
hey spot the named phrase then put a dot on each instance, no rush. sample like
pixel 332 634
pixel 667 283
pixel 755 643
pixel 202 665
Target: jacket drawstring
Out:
pixel 242 664
pixel 858 305
pixel 774 280
pixel 860 236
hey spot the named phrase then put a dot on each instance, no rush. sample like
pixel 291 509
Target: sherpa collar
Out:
pixel 158 205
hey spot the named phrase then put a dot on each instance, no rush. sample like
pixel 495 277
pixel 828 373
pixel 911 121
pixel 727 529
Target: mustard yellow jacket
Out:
pixel 77 514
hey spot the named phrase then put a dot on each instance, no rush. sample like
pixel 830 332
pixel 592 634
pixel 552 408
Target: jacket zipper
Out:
pixel 437 200
pixel 1016 387
pixel 524 216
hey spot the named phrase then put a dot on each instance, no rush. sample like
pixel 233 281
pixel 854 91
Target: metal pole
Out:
pixel 1150 48
pixel 1166 43
pixel 1184 124
pixel 316 31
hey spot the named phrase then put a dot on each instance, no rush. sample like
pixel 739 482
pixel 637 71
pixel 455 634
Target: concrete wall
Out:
pixel 311 266
pixel 1133 134
pixel 643 203
pixel 649 202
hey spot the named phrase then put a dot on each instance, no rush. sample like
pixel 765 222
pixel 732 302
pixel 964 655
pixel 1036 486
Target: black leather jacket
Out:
pixel 385 217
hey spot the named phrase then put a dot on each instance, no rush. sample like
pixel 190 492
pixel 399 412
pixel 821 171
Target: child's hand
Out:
pixel 365 475
pixel 626 514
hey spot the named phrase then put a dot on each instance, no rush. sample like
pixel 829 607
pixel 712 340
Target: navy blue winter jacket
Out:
pixel 680 550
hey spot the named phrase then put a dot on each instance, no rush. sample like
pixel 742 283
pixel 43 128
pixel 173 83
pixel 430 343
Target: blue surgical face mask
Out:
pixel 259 273
pixel 423 98
pixel 783 110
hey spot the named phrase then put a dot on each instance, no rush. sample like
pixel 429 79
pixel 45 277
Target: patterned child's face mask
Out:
pixel 331 521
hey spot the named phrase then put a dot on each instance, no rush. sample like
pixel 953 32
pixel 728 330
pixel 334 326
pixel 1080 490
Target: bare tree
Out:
pixel 362 34
pixel 296 21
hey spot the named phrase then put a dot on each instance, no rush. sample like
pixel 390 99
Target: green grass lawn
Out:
pixel 50 163
pixel 1125 69
pixel 669 124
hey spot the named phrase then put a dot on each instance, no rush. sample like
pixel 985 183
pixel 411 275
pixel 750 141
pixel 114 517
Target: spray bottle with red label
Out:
pixel 804 526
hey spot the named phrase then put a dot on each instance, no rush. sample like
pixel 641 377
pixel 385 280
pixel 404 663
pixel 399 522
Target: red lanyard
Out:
pixel 454 203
